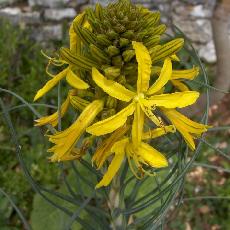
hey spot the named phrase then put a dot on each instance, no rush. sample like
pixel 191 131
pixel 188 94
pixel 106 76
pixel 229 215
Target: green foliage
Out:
pixel 22 69
pixel 44 214
pixel 205 182
pixel 22 66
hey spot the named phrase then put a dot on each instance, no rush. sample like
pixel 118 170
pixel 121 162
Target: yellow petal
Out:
pixel 50 84
pixel 188 74
pixel 75 81
pixel 186 135
pixel 119 150
pixel 112 88
pixel 144 66
pixel 112 170
pixel 73 155
pixel 53 119
pixel 172 100
pixel 174 57
pixel 185 126
pixel 151 156
pixel 132 155
pixel 164 77
pixel 112 123
pixel 137 127
pixel 154 133
pixel 104 150
pixel 180 85
pixel 195 127
pixel 65 141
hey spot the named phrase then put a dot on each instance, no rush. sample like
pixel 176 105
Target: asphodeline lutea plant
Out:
pixel 121 81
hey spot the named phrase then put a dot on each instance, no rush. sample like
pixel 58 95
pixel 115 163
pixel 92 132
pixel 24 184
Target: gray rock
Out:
pixel 199 11
pixel 203 2
pixel 204 10
pixel 208 52
pixel 31 17
pixel 16 16
pixel 59 14
pixel 47 33
pixel 10 11
pixel 102 2
pixel 48 3
pixel 199 31
pixel 4 3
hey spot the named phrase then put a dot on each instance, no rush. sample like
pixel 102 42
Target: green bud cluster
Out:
pixel 107 43
pixel 113 28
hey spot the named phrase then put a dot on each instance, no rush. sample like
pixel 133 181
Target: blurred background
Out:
pixel 29 26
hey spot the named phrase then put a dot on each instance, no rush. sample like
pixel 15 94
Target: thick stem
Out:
pixel 114 204
pixel 220 25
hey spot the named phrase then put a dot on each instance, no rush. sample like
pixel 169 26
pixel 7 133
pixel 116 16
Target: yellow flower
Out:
pixel 188 128
pixel 144 100
pixel 141 103
pixel 146 154
pixel 65 141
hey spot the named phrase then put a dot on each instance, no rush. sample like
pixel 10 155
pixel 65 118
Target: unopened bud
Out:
pixel 124 42
pixel 128 34
pixel 113 51
pixel 112 72
pixel 128 55
pixel 117 60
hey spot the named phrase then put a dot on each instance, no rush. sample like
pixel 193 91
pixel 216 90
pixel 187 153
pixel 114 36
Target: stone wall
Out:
pixel 45 18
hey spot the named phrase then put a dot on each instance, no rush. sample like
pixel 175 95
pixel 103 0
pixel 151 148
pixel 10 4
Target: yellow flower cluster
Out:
pixel 129 101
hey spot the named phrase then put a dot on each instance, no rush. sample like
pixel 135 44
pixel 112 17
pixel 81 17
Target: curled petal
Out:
pixel 112 123
pixel 119 150
pixel 188 74
pixel 151 156
pixel 165 75
pixel 180 85
pixel 65 141
pixel 112 88
pixel 75 81
pixel 104 150
pixel 53 119
pixel 144 66
pixel 188 128
pixel 154 133
pixel 75 154
pixel 50 84
pixel 172 100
